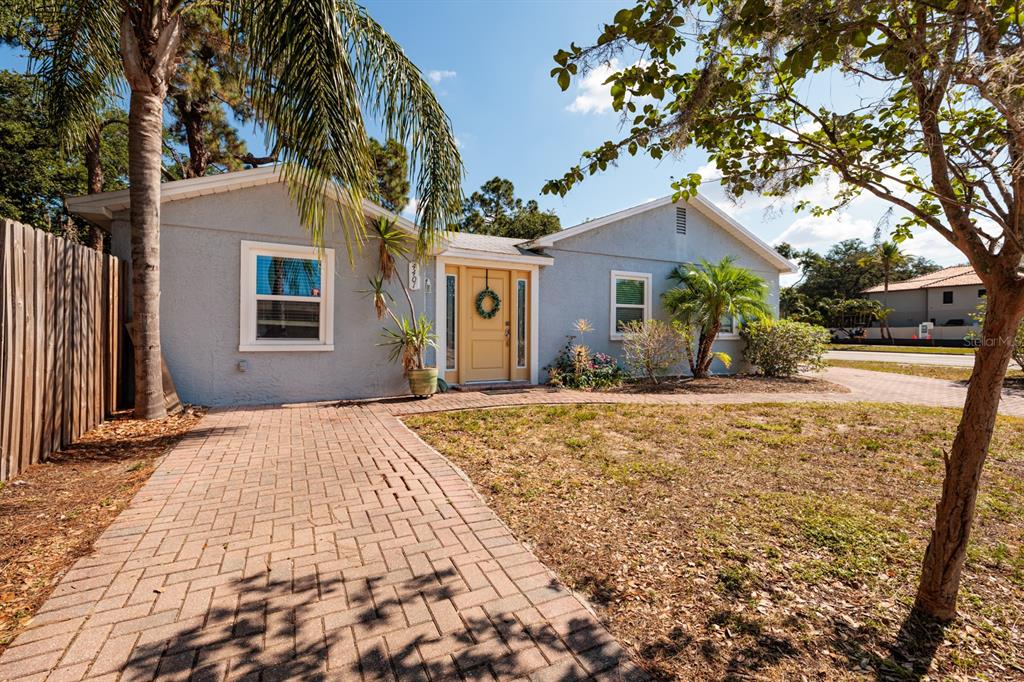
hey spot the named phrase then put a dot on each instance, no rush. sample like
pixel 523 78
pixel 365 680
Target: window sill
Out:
pixel 288 348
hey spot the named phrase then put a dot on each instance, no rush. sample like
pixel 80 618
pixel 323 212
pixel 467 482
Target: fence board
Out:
pixel 42 331
pixel 18 351
pixel 61 316
pixel 6 343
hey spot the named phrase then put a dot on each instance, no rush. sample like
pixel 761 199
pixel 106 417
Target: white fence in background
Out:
pixel 938 333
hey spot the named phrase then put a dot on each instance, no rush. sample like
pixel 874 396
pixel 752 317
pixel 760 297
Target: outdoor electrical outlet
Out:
pixel 243 365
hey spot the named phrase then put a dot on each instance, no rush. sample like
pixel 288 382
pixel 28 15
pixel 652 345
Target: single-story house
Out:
pixel 231 337
pixel 946 298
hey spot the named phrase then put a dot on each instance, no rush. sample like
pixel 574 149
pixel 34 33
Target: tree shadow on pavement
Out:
pixel 313 627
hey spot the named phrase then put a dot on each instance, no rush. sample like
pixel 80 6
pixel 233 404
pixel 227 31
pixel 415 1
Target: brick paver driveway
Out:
pixel 310 543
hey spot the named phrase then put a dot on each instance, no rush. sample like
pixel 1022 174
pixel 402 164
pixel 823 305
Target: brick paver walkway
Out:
pixel 310 543
pixel 327 542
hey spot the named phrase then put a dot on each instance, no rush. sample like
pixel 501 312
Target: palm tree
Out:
pixel 313 70
pixel 708 292
pixel 888 256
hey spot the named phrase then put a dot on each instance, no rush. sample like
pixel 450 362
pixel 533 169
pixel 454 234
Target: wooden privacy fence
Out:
pixel 61 337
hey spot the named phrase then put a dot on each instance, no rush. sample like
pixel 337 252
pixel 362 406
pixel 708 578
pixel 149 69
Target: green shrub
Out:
pixel 782 348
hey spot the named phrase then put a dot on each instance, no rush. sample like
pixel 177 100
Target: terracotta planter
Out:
pixel 423 382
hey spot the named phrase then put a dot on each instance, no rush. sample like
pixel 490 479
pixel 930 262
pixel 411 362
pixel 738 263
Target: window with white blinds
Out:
pixel 285 297
pixel 630 299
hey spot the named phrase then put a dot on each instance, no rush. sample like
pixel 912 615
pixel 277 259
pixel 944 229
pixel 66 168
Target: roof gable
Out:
pixel 714 214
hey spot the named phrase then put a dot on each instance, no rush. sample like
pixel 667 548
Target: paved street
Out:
pixel 944 360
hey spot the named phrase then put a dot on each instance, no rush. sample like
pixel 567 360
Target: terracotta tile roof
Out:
pixel 958 275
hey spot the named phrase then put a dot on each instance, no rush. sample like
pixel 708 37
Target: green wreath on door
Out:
pixel 488 294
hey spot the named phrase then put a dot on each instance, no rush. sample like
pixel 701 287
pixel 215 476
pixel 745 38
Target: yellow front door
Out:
pixel 487 340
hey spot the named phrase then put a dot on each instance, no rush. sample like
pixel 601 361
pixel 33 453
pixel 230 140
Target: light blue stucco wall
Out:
pixel 578 283
pixel 200 291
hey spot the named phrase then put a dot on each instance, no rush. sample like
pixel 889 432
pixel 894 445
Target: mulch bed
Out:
pixel 52 513
pixel 736 383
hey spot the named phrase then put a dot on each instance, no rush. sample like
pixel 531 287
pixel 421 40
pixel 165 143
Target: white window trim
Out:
pixel 734 334
pixel 455 325
pixel 526 337
pixel 645 277
pixel 247 341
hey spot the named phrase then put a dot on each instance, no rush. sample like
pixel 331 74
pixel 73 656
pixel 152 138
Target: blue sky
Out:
pixel 489 62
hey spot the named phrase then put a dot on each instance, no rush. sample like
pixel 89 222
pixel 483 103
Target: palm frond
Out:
pixel 708 291
pixel 304 89
pixel 401 100
pixel 78 62
pixel 314 68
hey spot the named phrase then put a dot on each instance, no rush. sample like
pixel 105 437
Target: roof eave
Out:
pixel 471 254
pixel 702 204
pixel 100 208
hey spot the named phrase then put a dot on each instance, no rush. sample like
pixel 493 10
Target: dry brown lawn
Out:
pixel 758 541
pixel 53 512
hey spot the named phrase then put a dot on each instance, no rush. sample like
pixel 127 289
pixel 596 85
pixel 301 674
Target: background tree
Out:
pixel 36 175
pixel 887 256
pixel 496 210
pixel 208 84
pixel 937 130
pixel 312 69
pixel 707 293
pixel 391 162
pixel 848 268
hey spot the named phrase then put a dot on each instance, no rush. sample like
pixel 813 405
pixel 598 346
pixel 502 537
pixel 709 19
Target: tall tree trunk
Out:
pixel 145 119
pixel 94 175
pixel 886 332
pixel 704 350
pixel 150 37
pixel 194 115
pixel 947 549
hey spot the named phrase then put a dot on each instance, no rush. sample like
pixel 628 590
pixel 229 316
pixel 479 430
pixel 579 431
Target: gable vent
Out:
pixel 680 220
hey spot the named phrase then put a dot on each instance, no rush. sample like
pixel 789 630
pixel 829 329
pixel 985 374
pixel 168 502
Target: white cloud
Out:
pixel 821 233
pixel 709 172
pixel 812 232
pixel 409 212
pixel 594 95
pixel 437 76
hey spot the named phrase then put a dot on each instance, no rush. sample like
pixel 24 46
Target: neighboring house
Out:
pixel 250 314
pixel 946 298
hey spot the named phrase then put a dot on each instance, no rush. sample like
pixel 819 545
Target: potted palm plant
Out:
pixel 409 344
pixel 413 335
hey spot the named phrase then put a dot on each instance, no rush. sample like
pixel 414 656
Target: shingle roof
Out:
pixel 485 243
pixel 958 275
